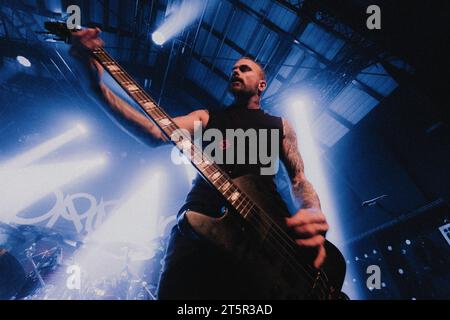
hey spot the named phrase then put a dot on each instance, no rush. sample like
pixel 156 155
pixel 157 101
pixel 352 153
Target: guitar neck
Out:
pixel 146 103
pixel 204 165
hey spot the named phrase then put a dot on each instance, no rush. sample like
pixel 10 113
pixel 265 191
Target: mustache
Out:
pixel 233 79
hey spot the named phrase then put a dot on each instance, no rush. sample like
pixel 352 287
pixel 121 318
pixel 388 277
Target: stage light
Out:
pixel 374 251
pixel 23 61
pixel 389 248
pixel 135 223
pixel 101 160
pixel 43 149
pixel 177 19
pixel 158 38
pixel 408 242
pixel 298 103
pixel 299 115
pixel 81 128
pixel 366 256
pixel 135 220
pixel 383 285
pixel 125 241
pixel 22 187
pixel 400 271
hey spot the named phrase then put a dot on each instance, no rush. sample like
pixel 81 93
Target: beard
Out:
pixel 239 89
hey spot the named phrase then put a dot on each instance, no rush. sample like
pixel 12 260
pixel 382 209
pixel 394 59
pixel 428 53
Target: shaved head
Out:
pixel 258 65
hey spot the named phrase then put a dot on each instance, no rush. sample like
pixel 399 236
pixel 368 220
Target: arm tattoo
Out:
pixel 301 187
pixel 136 123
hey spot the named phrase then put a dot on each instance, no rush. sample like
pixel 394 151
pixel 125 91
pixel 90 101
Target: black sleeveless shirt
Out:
pixel 203 197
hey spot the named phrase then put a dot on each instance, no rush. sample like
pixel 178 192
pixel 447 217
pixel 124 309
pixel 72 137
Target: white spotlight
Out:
pixel 298 104
pixel 100 160
pixel 42 150
pixel 131 228
pixel 300 117
pixel 81 128
pixel 136 219
pixel 179 18
pixel 24 61
pixel 22 187
pixel 158 38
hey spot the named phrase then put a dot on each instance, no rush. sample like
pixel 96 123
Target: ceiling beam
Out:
pixel 284 35
pixel 364 87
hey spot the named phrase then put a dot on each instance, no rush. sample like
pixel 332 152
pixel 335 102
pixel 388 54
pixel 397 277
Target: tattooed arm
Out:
pixel 301 187
pixel 309 223
pixel 133 120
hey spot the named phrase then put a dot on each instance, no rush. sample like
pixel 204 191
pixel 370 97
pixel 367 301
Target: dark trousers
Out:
pixel 196 269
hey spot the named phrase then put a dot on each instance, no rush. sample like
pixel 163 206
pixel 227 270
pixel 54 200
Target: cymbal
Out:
pixel 124 250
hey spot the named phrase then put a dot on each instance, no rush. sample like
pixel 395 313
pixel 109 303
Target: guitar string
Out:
pixel 273 232
pixel 142 96
pixel 271 224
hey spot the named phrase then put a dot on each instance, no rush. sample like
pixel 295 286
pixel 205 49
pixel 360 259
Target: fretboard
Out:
pixel 204 165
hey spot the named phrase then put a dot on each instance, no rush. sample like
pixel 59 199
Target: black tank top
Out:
pixel 203 197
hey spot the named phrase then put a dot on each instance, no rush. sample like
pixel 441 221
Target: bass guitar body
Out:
pixel 261 242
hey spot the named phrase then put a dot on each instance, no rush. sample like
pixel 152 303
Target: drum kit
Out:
pixel 33 260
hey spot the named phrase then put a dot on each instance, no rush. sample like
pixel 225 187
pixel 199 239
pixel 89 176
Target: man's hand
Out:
pixel 87 39
pixel 310 227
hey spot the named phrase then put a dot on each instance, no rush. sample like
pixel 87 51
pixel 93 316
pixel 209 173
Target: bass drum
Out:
pixel 12 276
